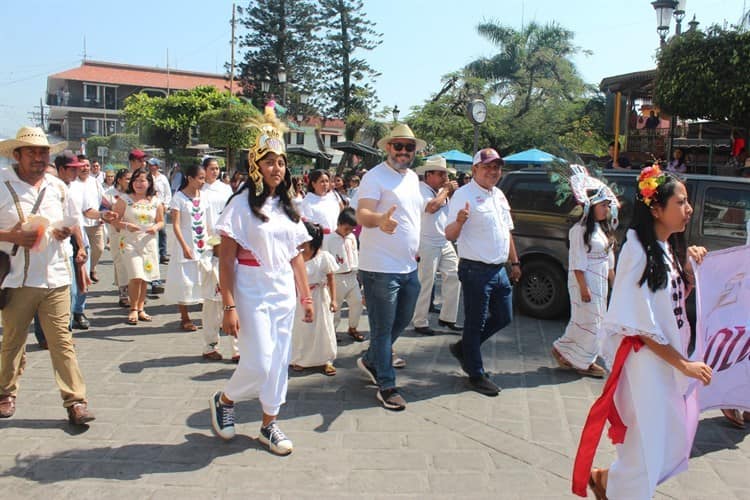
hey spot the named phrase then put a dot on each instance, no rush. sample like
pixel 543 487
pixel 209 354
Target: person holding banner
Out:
pixel 648 399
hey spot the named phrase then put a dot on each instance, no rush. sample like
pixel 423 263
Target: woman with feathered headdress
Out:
pixel 260 268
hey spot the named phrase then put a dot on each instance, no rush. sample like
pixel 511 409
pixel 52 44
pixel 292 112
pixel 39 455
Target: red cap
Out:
pixel 136 154
pixel 68 160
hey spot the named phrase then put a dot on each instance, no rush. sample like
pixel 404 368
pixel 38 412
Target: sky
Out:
pixel 422 39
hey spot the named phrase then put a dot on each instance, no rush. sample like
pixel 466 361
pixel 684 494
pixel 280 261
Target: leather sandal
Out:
pixel 562 362
pixel 188 326
pixel 593 370
pixel 354 334
pixel 595 483
pixel 734 416
pixel 143 316
pixel 297 368
pixel 132 319
pixel 329 369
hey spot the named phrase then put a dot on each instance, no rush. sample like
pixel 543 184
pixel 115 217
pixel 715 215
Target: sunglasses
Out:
pixel 399 146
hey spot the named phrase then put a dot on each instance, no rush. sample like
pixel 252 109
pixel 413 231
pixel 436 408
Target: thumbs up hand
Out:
pixel 387 223
pixel 463 214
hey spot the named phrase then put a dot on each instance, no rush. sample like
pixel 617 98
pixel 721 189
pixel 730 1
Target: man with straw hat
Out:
pixel 389 210
pixel 36 218
pixel 436 254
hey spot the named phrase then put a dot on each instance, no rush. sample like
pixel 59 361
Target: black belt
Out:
pixel 481 264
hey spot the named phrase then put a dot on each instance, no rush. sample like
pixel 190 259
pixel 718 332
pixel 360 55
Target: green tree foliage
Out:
pixel 225 128
pixel 166 122
pixel 279 33
pixel 119 146
pixel 706 75
pixel 345 82
pixel 532 66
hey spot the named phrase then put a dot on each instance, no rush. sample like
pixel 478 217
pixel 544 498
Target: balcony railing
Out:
pixel 77 102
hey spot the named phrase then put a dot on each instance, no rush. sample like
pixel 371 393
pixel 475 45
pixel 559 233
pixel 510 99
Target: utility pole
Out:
pixel 231 70
pixel 41 112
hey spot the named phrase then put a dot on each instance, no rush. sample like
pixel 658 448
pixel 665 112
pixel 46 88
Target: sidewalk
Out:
pixel 152 439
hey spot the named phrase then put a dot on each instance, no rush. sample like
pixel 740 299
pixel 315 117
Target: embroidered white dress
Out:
pixel 314 344
pixel 117 241
pixel 190 281
pixel 657 403
pixel 265 297
pixel 579 345
pixel 140 250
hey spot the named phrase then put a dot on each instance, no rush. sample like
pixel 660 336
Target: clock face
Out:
pixel 479 111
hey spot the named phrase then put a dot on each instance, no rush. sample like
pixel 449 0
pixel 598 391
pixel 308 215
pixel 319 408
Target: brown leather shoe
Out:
pixel 7 406
pixel 79 414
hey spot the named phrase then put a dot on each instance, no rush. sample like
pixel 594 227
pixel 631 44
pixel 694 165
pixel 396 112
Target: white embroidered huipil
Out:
pixel 580 343
pixel 657 403
pixel 265 297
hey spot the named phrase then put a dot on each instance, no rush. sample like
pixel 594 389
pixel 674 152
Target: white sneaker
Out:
pixel 276 441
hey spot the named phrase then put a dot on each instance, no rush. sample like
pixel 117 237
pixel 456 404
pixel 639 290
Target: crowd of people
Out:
pixel 273 261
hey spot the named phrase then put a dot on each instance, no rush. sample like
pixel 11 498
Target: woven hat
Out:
pixel 401 131
pixel 434 164
pixel 29 137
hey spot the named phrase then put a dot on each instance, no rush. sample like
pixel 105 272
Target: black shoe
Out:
pixel 391 399
pixel 457 352
pixel 157 289
pixel 424 330
pixel 450 325
pixel 163 259
pixel 484 385
pixel 80 321
pixel 368 370
pixel 124 303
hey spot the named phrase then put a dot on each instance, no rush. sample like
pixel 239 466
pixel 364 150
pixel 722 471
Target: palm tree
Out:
pixel 532 64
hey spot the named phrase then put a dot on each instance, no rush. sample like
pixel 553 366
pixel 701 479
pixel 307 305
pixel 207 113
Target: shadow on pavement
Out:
pixel 132 461
pixel 61 423
pixel 716 434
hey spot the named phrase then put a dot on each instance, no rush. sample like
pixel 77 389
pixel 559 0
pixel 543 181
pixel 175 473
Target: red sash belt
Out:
pixel 602 410
pixel 326 230
pixel 248 262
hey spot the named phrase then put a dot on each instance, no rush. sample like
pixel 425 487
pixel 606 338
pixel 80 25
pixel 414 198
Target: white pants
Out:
pixel 434 259
pixel 212 313
pixel 265 305
pixel 347 290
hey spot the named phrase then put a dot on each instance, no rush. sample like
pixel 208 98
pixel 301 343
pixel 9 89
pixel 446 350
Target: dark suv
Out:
pixel 721 208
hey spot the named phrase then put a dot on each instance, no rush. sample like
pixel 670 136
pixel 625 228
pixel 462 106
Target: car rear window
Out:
pixel 725 212
pixel 537 195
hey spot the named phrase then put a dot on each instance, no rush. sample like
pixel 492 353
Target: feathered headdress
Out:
pixel 587 190
pixel 270 139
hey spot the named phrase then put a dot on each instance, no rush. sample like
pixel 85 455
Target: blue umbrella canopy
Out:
pixel 530 157
pixel 456 157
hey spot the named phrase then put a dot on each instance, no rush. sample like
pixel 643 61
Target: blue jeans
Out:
pixel 488 308
pixel 78 300
pixel 162 242
pixel 391 299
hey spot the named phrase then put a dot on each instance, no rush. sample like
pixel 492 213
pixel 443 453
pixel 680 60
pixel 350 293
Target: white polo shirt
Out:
pixel 485 237
pixel 433 225
pixel 381 252
pixel 48 268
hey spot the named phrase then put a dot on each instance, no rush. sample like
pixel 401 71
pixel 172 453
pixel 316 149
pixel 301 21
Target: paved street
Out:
pixel 149 389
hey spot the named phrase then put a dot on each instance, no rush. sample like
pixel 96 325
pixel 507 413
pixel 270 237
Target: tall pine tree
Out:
pixel 346 84
pixel 279 33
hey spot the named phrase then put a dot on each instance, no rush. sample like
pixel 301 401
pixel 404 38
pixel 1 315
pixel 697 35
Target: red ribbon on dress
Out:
pixel 602 410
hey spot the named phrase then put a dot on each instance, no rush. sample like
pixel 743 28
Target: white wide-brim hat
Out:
pixel 29 137
pixel 434 164
pixel 401 131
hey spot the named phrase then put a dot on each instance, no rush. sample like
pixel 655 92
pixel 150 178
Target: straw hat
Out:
pixel 401 131
pixel 434 164
pixel 29 137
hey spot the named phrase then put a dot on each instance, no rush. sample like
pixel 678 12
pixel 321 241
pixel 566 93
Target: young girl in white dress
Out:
pixel 648 399
pixel 117 239
pixel 590 271
pixel 262 275
pixel 140 217
pixel 314 344
pixel 192 274
pixel 320 205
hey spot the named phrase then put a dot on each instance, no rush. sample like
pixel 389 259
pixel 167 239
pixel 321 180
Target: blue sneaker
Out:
pixel 276 441
pixel 222 417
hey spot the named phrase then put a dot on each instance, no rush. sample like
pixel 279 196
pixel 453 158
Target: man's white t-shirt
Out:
pixel 433 224
pixel 485 237
pixel 391 253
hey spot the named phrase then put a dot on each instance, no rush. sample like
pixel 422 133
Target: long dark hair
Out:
pixel 256 201
pixel 151 191
pixel 656 273
pixel 606 226
pixel 316 231
pixel 190 171
pixel 118 177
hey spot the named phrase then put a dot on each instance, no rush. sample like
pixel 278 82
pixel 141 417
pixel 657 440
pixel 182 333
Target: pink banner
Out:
pixel 723 327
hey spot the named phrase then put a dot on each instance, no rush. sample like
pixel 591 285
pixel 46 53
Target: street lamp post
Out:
pixel 281 76
pixel 664 10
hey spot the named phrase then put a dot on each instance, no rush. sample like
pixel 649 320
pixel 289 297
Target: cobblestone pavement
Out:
pixel 149 389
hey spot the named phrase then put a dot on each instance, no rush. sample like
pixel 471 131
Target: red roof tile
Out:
pixel 141 76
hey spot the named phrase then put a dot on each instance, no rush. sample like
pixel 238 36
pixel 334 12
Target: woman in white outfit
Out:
pixel 260 268
pixel 648 399
pixel 321 205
